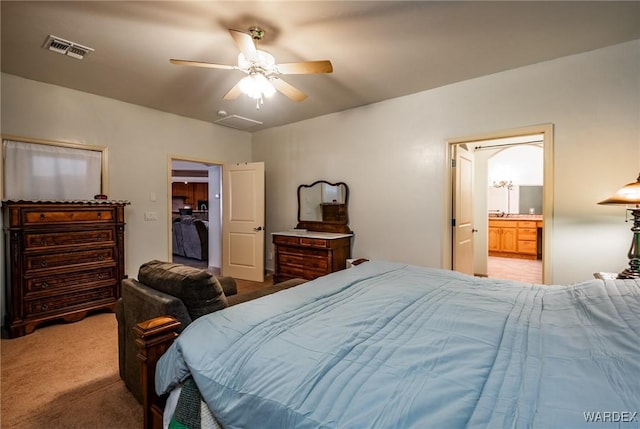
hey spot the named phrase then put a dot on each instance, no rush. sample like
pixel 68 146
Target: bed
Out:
pixel 391 345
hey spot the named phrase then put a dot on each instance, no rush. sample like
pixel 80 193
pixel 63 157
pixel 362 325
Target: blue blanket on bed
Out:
pixel 388 345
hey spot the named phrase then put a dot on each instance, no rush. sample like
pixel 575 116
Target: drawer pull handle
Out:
pixel 99 238
pixel 100 257
pixel 43 263
pixel 44 307
pixel 41 216
pixel 43 242
pixel 101 276
pixel 99 215
pixel 44 285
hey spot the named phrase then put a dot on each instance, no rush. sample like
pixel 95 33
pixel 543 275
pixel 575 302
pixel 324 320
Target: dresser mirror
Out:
pixel 322 206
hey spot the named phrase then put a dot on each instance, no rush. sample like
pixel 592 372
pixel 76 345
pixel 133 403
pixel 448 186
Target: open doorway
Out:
pixel 196 214
pixel 511 172
pixel 512 203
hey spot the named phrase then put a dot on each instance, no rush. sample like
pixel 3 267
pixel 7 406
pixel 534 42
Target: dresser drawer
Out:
pixel 61 259
pixel 308 273
pixel 285 239
pixel 290 259
pixel 304 261
pixel 300 241
pixel 56 216
pixel 306 251
pixel 69 301
pixel 52 239
pixel 313 242
pixel 48 283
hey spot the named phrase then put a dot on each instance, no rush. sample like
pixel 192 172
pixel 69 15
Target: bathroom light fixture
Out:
pixel 629 196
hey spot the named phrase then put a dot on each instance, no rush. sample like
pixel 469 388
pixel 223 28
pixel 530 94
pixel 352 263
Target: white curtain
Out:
pixel 34 171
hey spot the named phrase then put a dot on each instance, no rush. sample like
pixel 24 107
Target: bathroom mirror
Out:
pixel 322 206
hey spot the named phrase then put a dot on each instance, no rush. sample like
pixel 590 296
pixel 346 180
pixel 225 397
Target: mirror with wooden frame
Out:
pixel 322 206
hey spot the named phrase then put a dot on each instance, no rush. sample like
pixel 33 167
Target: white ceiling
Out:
pixel 379 49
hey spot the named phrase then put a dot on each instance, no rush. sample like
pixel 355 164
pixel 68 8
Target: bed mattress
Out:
pixel 390 345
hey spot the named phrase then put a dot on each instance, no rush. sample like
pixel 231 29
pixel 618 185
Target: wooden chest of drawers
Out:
pixel 309 256
pixel 64 259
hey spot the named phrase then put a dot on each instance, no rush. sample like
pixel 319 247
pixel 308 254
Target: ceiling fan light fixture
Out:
pixel 257 86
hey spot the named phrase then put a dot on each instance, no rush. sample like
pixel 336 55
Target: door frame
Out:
pixel 170 159
pixel 546 130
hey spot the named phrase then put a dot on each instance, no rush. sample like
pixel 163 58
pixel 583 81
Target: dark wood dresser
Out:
pixel 64 259
pixel 309 255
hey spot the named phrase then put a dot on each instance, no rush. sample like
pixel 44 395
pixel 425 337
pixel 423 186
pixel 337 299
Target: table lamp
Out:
pixel 629 196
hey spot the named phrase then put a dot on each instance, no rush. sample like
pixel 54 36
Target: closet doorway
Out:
pixel 196 213
pixel 511 202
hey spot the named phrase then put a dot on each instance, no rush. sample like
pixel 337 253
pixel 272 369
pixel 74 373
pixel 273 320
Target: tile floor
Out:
pixel 524 270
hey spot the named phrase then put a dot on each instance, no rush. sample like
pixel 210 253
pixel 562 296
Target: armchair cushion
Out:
pixel 199 290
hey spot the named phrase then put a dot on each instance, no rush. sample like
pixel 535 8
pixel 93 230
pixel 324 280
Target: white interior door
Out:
pixel 243 221
pixel 462 256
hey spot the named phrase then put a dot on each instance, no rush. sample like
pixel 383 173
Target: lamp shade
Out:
pixel 627 195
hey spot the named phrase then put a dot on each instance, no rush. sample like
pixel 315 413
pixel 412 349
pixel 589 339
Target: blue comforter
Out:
pixel 388 345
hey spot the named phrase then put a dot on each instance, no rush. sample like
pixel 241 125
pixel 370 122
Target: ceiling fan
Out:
pixel 263 74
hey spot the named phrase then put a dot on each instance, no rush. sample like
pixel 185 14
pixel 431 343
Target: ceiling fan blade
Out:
pixel 201 64
pixel 245 44
pixel 306 67
pixel 288 90
pixel 233 92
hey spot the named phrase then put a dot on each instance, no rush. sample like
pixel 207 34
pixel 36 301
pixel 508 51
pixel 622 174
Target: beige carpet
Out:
pixel 66 376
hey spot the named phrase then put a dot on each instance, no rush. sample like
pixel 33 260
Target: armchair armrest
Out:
pixel 153 338
pixel 137 304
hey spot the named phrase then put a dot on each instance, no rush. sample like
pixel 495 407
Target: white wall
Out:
pixel 392 155
pixel 139 142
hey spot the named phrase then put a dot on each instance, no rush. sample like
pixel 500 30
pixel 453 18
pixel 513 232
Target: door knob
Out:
pixel 258 228
pixel 474 230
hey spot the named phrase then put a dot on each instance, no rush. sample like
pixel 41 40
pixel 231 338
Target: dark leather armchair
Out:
pixel 164 288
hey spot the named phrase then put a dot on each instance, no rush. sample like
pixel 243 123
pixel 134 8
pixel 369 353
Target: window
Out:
pixel 52 170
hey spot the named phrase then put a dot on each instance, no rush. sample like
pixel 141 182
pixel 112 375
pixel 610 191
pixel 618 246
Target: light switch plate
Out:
pixel 150 216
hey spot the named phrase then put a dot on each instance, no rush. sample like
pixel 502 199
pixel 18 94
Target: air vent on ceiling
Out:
pixel 65 47
pixel 237 122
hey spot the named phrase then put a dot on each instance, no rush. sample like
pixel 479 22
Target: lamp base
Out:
pixel 628 274
pixel 633 271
